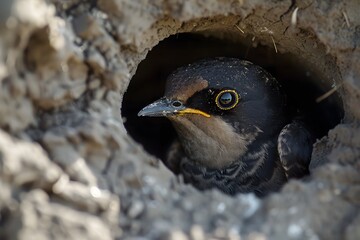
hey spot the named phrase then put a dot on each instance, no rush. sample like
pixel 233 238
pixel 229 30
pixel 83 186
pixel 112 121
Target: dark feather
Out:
pixel 295 147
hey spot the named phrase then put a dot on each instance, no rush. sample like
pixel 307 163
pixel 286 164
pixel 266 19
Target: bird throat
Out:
pixel 210 142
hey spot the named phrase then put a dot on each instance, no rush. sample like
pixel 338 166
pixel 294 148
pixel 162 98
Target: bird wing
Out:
pixel 174 156
pixel 295 147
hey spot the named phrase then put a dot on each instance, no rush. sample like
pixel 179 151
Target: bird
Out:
pixel 234 131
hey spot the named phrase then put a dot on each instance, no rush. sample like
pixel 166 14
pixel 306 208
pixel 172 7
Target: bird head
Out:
pixel 219 107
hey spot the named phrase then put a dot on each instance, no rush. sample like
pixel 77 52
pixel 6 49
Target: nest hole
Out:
pixel 301 85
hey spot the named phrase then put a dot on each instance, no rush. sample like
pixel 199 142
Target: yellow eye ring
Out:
pixel 227 99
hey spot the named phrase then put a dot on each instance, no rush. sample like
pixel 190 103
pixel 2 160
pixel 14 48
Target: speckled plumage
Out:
pixel 250 147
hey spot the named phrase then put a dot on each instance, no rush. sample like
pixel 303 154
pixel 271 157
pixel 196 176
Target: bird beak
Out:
pixel 159 108
pixel 164 107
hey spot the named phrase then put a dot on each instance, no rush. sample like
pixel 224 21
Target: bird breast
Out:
pixel 211 142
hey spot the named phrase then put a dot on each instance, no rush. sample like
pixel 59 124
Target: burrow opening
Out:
pixel 302 85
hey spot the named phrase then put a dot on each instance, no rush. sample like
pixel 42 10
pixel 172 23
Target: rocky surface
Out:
pixel 68 169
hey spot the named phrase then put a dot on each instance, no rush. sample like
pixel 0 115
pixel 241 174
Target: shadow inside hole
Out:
pixel 301 86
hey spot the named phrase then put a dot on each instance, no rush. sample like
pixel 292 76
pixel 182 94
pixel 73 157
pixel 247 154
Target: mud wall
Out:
pixel 69 170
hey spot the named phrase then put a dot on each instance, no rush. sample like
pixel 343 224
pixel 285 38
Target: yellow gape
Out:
pixel 193 111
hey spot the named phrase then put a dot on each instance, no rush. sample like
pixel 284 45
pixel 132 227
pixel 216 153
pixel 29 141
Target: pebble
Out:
pixel 136 209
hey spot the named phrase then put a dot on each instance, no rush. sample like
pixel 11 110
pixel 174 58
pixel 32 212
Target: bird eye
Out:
pixel 176 104
pixel 227 99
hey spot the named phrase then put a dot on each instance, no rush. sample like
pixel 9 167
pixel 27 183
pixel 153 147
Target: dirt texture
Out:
pixel 68 169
